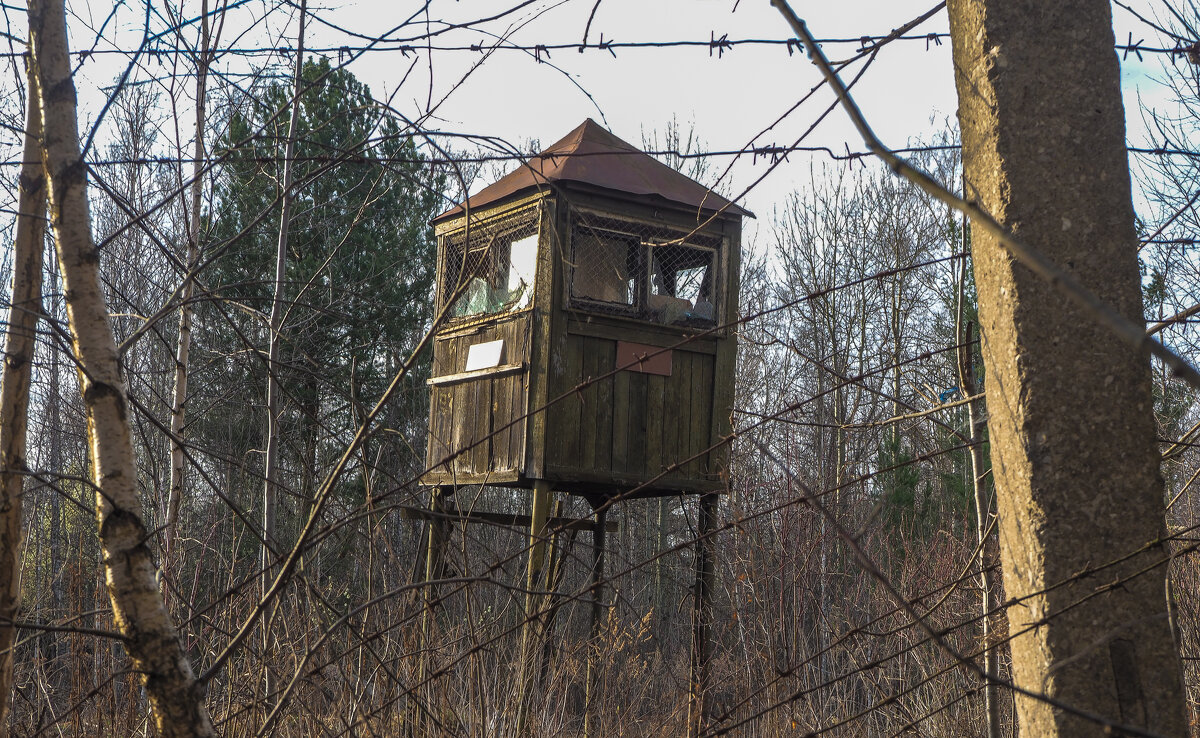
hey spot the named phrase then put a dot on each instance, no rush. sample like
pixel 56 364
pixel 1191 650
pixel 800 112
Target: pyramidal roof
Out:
pixel 592 156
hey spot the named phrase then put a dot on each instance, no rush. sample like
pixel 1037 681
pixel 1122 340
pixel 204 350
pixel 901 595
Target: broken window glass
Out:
pixel 606 268
pixel 650 273
pixel 681 285
pixel 494 273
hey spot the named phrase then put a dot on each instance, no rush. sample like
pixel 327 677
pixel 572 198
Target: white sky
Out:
pixel 729 98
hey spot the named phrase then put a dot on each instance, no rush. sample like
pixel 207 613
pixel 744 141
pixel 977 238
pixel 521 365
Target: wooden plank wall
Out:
pixel 468 412
pixel 631 425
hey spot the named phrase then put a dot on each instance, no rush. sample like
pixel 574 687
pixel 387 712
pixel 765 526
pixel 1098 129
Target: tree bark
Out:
pixel 153 645
pixel 23 314
pixel 1071 425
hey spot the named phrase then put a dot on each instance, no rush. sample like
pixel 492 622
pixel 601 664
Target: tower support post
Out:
pixel 437 532
pixel 702 614
pixel 590 721
pixel 539 515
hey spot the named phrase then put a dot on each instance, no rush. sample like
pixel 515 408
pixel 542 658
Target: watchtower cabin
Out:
pixel 601 285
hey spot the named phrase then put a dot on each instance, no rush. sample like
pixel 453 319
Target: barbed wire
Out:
pixel 768 153
pixel 715 45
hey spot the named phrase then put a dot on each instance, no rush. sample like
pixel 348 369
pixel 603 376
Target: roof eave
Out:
pixel 727 209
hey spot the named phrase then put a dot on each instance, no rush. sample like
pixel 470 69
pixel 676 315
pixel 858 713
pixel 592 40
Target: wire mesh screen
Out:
pixel 490 268
pixel 657 274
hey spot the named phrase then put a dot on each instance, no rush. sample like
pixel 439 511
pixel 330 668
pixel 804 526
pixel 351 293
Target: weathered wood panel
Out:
pixel 462 412
pixel 620 422
pixel 681 396
pixel 637 402
pixel 631 425
pixel 590 407
pixel 439 426
pixel 480 392
pixel 701 408
pixel 517 432
pixel 606 411
pixel 501 413
pixel 656 395
pixel 470 416
pixel 564 416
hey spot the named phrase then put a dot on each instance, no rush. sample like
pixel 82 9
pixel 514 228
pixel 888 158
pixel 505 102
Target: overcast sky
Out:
pixel 729 96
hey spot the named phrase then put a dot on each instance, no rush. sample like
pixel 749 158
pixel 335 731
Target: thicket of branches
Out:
pixel 856 299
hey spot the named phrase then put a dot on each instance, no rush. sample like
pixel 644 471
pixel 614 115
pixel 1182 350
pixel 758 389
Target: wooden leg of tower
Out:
pixel 598 535
pixel 552 575
pixel 436 533
pixel 539 513
pixel 590 718
pixel 702 614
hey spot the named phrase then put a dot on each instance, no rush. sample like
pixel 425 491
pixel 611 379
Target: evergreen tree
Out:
pixel 359 276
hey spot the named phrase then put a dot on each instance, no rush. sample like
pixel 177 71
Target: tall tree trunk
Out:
pixel 310 424
pixel 897 368
pixel 662 520
pixel 23 313
pixel 59 539
pixel 976 420
pixel 1072 432
pixel 183 347
pixel 271 465
pixel 153 645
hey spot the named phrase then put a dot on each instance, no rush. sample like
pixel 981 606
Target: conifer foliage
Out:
pixel 360 267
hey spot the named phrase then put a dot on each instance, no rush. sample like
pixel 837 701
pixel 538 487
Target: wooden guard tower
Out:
pixel 588 343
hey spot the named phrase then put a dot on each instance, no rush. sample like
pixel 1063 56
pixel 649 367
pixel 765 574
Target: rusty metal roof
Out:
pixel 590 155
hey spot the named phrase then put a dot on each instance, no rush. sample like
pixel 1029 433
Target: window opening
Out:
pixel 642 271
pixel 495 272
pixel 681 285
pixel 607 269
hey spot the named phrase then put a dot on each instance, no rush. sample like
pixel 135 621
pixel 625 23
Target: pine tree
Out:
pixel 359 278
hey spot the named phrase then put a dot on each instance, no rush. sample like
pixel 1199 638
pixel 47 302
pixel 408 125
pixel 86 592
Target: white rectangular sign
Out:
pixel 484 355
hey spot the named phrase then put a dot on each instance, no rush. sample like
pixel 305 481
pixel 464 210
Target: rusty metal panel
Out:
pixel 649 359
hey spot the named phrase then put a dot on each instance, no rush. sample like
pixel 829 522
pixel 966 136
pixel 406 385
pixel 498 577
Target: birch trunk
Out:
pixel 23 316
pixel 179 396
pixel 151 641
pixel 1070 409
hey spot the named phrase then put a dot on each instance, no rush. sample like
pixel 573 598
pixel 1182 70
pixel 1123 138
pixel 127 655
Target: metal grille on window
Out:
pixel 495 272
pixel 657 274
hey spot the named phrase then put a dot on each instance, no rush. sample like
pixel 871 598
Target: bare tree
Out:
pixel 271 472
pixel 20 335
pixel 150 637
pixel 191 263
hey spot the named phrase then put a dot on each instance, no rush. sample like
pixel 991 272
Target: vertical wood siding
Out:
pixel 633 425
pixel 471 416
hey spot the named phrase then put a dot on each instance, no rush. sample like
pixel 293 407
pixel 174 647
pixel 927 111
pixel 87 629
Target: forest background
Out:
pixel 856 287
